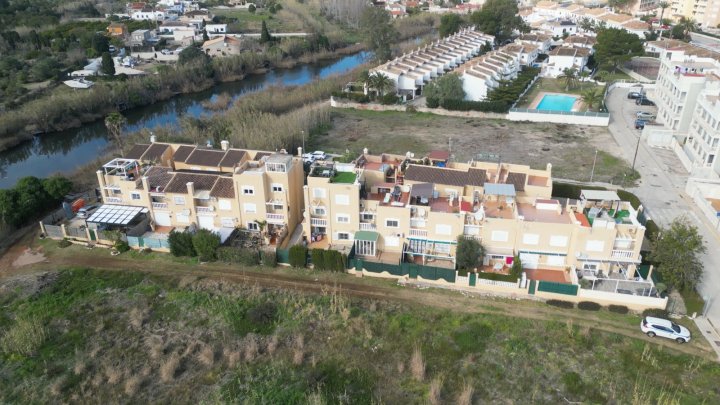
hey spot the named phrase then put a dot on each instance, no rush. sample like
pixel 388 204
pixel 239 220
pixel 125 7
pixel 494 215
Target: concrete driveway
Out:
pixel 661 189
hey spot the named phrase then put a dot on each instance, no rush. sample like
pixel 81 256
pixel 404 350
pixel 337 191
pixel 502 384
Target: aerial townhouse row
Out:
pixel 546 12
pixel 217 189
pixel 483 74
pixel 411 72
pixel 392 208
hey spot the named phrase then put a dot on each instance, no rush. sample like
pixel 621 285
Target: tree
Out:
pixel 381 83
pixel 469 253
pixel 662 5
pixel 378 32
pixel 569 75
pixel 56 187
pixel 192 54
pixel 100 44
pixel 688 25
pixel 108 65
pixel 265 34
pixel 616 46
pixel 206 243
pixel 181 244
pixel 449 24
pixel 114 123
pixel 447 87
pixel 32 198
pixel 591 97
pixel 10 213
pixel 678 32
pixel 516 269
pixel 251 9
pixel 206 37
pixel 676 250
pixel 499 18
pixel 586 24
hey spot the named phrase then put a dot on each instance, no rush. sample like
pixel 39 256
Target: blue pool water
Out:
pixel 556 102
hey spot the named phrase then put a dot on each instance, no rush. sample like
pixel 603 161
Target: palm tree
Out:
pixel 365 79
pixel 586 24
pixel 381 83
pixel 569 75
pixel 591 97
pixel 689 25
pixel 663 5
pixel 114 123
pixel 582 76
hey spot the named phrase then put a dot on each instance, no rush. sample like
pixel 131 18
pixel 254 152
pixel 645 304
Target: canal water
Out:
pixel 61 152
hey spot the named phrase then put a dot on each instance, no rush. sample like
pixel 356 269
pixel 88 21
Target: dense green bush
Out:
pixel 30 198
pixel 660 313
pixel 268 258
pixel 389 99
pixel 482 106
pixel 318 258
pixel 228 254
pixel 432 103
pixel 121 246
pixel 206 243
pixel 651 229
pixel 334 261
pixel 181 244
pixel 630 197
pixel 262 314
pixel 298 256
pixel 618 309
pixel 498 277
pixel 588 306
pixel 356 97
pixel 560 304
pixel 64 243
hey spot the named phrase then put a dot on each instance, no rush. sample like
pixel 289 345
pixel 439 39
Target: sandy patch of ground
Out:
pixel 28 257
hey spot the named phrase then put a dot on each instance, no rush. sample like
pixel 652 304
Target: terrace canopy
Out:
pixel 599 195
pixel 366 243
pixel 116 215
pixel 507 190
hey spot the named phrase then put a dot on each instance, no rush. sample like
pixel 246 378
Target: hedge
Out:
pixel 618 309
pixel 651 229
pixel 560 304
pixel 268 258
pixel 498 277
pixel 565 190
pixel 588 306
pixel 318 258
pixel 630 197
pixel 483 106
pixel 432 103
pixel 660 313
pixel 356 97
pixel 228 254
pixel 389 99
pixel 298 256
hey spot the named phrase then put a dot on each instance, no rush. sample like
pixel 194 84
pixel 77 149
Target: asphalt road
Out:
pixel 661 189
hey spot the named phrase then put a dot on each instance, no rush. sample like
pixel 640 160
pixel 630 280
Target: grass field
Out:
pixel 84 335
pixel 570 148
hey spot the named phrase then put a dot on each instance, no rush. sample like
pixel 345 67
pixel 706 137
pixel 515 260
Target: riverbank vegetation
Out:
pixel 30 198
pixel 82 334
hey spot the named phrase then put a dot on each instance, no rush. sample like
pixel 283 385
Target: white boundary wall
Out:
pixel 600 120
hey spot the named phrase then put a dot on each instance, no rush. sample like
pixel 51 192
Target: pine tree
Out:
pixel 265 34
pixel 108 65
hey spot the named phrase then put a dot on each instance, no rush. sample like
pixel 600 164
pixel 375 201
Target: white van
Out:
pixel 662 327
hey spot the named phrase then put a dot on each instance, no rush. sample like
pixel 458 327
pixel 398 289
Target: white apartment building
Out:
pixel 703 143
pixel 704 12
pixel 565 57
pixel 483 74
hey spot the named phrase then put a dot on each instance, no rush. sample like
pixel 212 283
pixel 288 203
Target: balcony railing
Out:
pixel 418 233
pixel 113 200
pixel 622 254
pixel 205 210
pixel 366 226
pixel 159 206
pixel 417 223
pixel 318 222
pixel 275 218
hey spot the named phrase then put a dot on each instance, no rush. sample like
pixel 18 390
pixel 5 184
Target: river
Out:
pixel 62 152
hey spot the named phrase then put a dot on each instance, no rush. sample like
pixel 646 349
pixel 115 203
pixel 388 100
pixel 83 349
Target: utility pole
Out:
pixel 637 146
pixel 592 173
pixel 303 140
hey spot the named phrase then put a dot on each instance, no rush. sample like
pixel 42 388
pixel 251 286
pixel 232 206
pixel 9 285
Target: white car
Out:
pixel 308 157
pixel 645 115
pixel 86 212
pixel 166 52
pixel 319 155
pixel 652 327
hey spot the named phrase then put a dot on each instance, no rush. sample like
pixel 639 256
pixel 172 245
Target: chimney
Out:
pixel 191 188
pixel 153 138
pixel 300 151
pixel 549 167
pixel 365 151
pixel 146 184
pixel 224 145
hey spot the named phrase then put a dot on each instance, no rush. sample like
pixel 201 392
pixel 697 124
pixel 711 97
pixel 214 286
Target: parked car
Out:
pixel 320 155
pixel 166 52
pixel 652 327
pixel 111 49
pixel 639 124
pixel 644 115
pixel 308 157
pixel 86 212
pixel 644 101
pixel 634 95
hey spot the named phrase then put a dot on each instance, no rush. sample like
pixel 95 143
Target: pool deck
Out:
pixel 577 106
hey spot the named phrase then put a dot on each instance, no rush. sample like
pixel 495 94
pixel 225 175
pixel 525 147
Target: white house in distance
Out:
pixel 565 57
pixel 527 53
pixel 484 73
pixel 410 72
pixel 216 29
pixel 558 28
pixel 580 41
pixel 542 41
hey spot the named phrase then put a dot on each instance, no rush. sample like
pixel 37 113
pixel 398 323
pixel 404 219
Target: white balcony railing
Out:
pixel 318 222
pixel 365 226
pixel 417 223
pixel 275 218
pixel 418 233
pixel 204 210
pixel 113 200
pixel 159 206
pixel 622 254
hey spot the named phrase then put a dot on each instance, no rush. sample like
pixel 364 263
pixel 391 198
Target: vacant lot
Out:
pixel 570 148
pixel 84 335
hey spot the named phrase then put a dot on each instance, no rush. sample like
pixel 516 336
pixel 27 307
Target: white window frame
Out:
pixel 224 204
pixel 277 188
pixel 250 208
pixel 182 218
pixel 227 222
pixel 558 241
pixel 342 218
pixel 319 211
pixel 531 239
pixel 247 190
pixel 392 226
pixel 595 246
pixel 179 200
pixel 319 192
pixel 253 226
pixel 135 196
pixel 499 236
pixel 342 199
pixel 343 236
pixel 443 229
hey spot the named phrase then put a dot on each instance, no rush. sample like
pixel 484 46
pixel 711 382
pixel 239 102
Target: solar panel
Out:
pixel 115 214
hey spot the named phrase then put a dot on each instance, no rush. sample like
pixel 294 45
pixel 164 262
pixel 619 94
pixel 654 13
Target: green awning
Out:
pixel 369 236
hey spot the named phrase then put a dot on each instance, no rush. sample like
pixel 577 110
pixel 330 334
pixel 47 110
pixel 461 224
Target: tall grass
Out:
pixel 24 337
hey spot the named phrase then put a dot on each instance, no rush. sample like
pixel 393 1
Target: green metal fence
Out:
pixel 283 256
pixel 405 269
pixel 557 288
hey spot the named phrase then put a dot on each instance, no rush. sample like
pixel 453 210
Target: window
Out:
pixel 367 216
pixel 392 223
pixel 135 196
pixel 594 246
pixel 276 188
pixel 558 241
pixel 248 190
pixel 343 236
pixel 225 205
pixel 319 193
pixel 227 222
pixel 392 241
pixel 342 219
pixel 182 218
pixel 443 229
pixel 442 248
pixel 253 226
pixel 249 208
pixel 531 239
pixel 320 211
pixel 342 199
pixel 499 236
pixel 179 200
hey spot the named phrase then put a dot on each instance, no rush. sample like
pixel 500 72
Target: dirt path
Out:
pixel 456 302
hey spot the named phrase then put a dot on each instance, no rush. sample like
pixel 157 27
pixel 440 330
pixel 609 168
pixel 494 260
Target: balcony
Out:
pixel 418 233
pixel 418 222
pixel 159 206
pixel 366 226
pixel 622 254
pixel 205 210
pixel 113 200
pixel 278 219
pixel 318 222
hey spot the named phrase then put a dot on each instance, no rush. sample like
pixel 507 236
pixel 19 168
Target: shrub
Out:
pixel 618 309
pixel 121 246
pixel 24 337
pixel 268 258
pixel 483 106
pixel 356 97
pixel 588 306
pixel 432 103
pixel 262 314
pixel 410 108
pixel 660 313
pixel 318 259
pixel 516 268
pixel 389 99
pixel 64 243
pixel 181 244
pixel 651 229
pixel 298 256
pixel 206 243
pixel 248 257
pixel 560 304
pixel 498 277
pixel 469 253
pixel 630 197
pixel 333 261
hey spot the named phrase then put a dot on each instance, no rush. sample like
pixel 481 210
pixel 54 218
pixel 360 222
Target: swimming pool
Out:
pixel 556 102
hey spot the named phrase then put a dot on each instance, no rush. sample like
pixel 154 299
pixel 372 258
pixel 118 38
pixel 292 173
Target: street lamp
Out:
pixel 592 173
pixel 637 146
pixel 303 140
